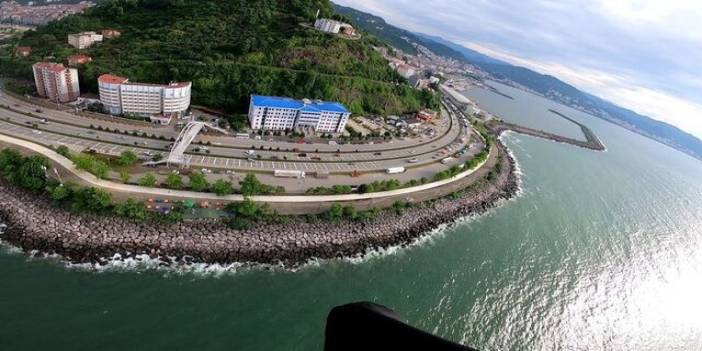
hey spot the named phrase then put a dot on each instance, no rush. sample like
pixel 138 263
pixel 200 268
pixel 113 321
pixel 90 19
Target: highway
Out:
pixel 227 152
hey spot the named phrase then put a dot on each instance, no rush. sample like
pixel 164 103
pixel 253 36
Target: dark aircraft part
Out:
pixel 368 326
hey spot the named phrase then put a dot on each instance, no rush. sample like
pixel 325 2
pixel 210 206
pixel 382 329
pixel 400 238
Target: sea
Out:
pixel 600 251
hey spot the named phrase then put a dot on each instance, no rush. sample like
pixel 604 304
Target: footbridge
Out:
pixel 185 138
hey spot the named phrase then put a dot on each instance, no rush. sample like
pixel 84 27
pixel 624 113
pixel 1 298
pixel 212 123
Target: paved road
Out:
pixel 64 128
pixel 90 180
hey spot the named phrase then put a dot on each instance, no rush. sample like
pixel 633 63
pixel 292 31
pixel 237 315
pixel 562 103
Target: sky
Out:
pixel 645 55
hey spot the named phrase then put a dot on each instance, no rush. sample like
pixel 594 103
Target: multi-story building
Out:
pixel 56 82
pixel 84 40
pixel 77 60
pixel 328 25
pixel 278 113
pixel 24 51
pixel 161 102
pixel 110 33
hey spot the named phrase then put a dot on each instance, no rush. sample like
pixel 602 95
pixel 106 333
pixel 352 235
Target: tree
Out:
pixel 251 185
pixel 148 180
pixel 32 173
pixel 198 181
pixel 223 188
pixel 174 181
pixel 10 160
pixel 336 212
pixel 64 151
pixel 350 212
pixel 91 200
pixel 60 193
pixel 131 209
pixel 127 158
pixel 125 177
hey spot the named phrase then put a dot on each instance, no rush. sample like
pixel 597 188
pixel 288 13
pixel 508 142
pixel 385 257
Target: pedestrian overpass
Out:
pixel 185 138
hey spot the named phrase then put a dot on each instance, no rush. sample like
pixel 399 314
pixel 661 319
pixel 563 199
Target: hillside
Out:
pixel 229 49
pixel 549 86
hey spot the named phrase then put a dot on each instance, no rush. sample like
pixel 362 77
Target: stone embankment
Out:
pixel 591 141
pixel 33 223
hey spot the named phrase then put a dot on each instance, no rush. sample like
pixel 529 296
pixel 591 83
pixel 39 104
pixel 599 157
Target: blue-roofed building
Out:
pixel 280 113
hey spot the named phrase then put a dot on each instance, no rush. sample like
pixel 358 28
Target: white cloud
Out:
pixel 620 88
pixel 642 54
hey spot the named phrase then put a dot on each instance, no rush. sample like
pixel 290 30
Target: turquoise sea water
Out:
pixel 602 251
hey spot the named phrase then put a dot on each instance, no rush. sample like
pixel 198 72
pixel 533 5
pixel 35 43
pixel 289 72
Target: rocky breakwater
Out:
pixel 33 223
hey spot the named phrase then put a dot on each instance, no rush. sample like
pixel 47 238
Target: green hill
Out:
pixel 229 49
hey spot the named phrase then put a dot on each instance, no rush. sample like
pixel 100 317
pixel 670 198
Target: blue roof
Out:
pixel 282 102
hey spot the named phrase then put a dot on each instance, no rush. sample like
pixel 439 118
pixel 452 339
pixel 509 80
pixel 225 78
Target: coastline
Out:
pixel 33 223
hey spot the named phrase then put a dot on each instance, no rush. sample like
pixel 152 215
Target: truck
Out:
pixel 395 170
pixel 322 174
pixel 282 173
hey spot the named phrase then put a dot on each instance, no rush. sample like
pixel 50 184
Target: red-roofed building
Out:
pixel 426 115
pixel 24 51
pixel 56 82
pixel 77 60
pixel 162 101
pixel 110 33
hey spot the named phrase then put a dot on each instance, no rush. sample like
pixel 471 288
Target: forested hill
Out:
pixel 229 49
pixel 549 86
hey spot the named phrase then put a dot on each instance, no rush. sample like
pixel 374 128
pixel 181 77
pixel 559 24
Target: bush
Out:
pixel 148 180
pixel 223 188
pixel 131 209
pixel 64 151
pixel 174 181
pixel 127 158
pixel 91 200
pixel 198 181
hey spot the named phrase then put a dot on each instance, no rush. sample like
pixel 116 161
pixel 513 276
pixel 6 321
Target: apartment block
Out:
pixel 56 82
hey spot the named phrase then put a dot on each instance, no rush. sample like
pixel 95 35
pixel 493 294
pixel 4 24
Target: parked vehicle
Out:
pixel 395 170
pixel 288 173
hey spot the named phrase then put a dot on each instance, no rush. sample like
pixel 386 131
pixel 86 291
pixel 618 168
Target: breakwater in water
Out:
pixel 33 223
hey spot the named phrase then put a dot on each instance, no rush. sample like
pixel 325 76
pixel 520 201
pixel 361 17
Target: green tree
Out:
pixel 148 180
pixel 64 151
pixel 132 209
pixel 198 181
pixel 174 181
pixel 32 173
pixel 251 185
pixel 60 193
pixel 127 158
pixel 335 212
pixel 223 188
pixel 91 200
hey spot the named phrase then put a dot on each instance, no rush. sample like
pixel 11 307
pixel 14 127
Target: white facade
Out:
pixel 328 25
pixel 84 40
pixel 56 82
pixel 119 96
pixel 275 113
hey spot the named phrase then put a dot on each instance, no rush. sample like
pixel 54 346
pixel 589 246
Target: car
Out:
pixel 302 155
pixel 38 110
pixel 378 153
pixel 36 131
pixel 44 121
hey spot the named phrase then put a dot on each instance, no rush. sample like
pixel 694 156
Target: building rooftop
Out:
pixel 50 66
pixel 307 105
pixel 112 79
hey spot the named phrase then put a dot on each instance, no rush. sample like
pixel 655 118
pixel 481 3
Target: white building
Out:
pixel 56 82
pixel 328 25
pixel 159 102
pixel 84 40
pixel 278 113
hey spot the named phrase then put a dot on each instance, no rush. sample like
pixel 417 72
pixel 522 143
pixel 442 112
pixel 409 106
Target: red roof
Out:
pixel 49 66
pixel 112 79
